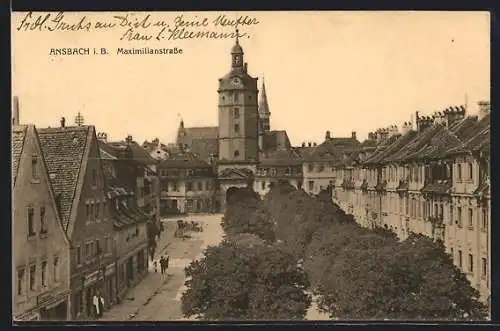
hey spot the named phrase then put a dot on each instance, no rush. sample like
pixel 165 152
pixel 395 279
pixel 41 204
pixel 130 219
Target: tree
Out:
pixel 245 279
pixel 244 214
pixel 377 277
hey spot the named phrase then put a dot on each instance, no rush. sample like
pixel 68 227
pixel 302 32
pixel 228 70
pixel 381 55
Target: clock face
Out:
pixel 237 58
pixel 236 81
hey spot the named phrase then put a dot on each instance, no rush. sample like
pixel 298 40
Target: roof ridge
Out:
pixel 24 131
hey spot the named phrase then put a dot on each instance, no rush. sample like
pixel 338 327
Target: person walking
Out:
pixel 166 262
pixel 95 304
pixel 162 264
pixel 155 264
pixel 101 305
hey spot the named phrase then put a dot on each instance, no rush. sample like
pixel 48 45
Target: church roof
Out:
pixel 284 157
pixel 276 139
pixel 263 104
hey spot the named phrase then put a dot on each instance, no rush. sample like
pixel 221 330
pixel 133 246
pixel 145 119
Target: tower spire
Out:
pixel 264 113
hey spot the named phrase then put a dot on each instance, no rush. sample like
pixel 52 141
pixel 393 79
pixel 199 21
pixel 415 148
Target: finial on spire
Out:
pixel 237 36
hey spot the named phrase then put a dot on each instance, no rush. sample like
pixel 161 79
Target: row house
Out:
pixel 130 235
pixel 434 180
pixel 40 247
pixel 188 184
pixel 137 171
pixel 76 174
pixel 278 166
pixel 319 164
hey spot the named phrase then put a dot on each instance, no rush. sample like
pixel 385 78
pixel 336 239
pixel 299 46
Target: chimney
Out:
pixel 327 135
pixel 405 128
pixel 453 114
pixel 128 139
pixel 304 144
pixel 63 122
pixel 314 144
pixel 245 67
pixel 424 122
pixel 309 144
pixel 15 110
pixel 484 109
pixel 353 135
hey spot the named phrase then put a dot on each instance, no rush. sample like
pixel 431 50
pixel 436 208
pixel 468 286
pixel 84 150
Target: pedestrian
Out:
pixel 166 262
pixel 101 305
pixel 155 264
pixel 162 264
pixel 95 301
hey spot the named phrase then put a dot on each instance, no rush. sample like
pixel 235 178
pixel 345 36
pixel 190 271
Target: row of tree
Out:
pixel 279 248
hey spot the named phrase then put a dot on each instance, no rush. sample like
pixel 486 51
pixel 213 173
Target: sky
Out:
pixel 324 71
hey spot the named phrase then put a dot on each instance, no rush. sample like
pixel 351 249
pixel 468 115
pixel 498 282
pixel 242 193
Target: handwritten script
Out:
pixel 141 27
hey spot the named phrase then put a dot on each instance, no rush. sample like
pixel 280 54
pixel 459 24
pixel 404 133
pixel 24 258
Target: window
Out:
pixel 98 211
pixel 311 185
pixel 92 215
pixel 452 254
pixel 32 277
pixel 87 212
pixel 98 247
pixel 20 281
pixel 174 186
pixel 104 210
pixel 55 275
pixel 236 113
pixel 451 215
pixel 189 186
pixel 484 220
pixel 78 255
pixel 31 221
pixel 263 183
pixel 471 220
pixel 471 174
pixel 237 128
pixel 44 274
pixel 484 267
pixel 459 216
pixel 459 172
pixel 94 177
pixel 310 167
pixel 92 249
pixel 471 263
pixel 200 186
pixel 34 167
pixel 236 153
pixel 43 221
pixel 236 95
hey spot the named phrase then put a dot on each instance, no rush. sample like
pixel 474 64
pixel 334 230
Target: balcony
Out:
pixel 436 187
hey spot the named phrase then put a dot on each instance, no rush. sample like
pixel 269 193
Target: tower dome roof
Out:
pixel 237 49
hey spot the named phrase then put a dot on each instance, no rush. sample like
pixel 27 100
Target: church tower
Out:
pixel 264 113
pixel 238 112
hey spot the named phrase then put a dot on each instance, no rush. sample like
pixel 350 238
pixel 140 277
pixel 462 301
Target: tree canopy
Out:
pixel 245 279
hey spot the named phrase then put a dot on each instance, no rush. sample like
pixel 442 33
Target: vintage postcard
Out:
pixel 245 166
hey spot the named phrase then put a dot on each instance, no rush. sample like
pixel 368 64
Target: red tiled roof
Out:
pixel 18 135
pixel 64 150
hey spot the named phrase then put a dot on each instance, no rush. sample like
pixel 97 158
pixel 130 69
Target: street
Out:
pixel 157 297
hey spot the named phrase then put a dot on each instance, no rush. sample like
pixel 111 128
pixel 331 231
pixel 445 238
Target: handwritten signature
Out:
pixel 142 26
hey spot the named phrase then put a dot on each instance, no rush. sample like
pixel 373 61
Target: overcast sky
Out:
pixel 335 71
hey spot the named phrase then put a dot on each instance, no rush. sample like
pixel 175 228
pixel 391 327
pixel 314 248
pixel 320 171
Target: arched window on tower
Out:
pixel 236 153
pixel 236 95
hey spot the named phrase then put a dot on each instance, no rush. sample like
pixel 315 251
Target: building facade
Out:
pixel 433 179
pixel 40 248
pixel 76 174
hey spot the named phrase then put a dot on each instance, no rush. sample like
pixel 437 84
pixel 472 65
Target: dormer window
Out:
pixel 94 177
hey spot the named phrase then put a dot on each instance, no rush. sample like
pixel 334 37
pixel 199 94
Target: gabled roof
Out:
pixel 284 157
pixel 183 160
pixel 66 151
pixel 276 139
pixel 414 144
pixel 204 148
pixel 333 149
pixel 138 153
pixel 18 138
pixel 198 133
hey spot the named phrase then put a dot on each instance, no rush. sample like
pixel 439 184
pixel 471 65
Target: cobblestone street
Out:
pixel 157 297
